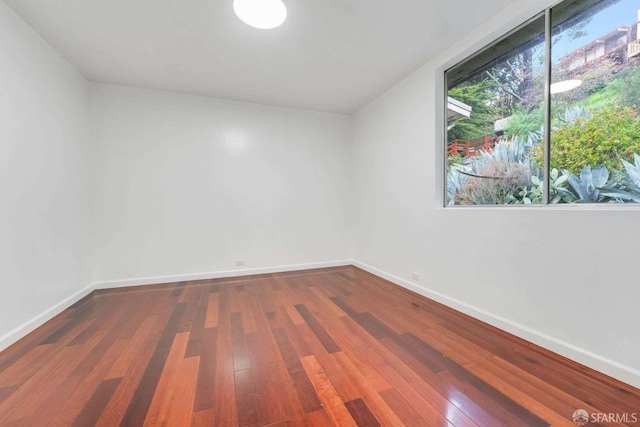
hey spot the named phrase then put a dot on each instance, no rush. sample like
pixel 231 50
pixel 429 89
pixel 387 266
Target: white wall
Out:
pixel 44 208
pixel 187 185
pixel 566 279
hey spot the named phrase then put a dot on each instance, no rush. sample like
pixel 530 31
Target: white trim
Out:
pixel 456 110
pixel 30 325
pixel 607 366
pixel 216 274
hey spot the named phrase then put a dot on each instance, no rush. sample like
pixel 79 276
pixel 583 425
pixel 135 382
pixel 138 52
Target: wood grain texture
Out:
pixel 335 346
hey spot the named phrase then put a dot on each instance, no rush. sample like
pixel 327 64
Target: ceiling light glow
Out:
pixel 564 86
pixel 262 14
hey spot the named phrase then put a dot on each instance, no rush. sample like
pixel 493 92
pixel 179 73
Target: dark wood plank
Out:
pixel 361 413
pixel 327 342
pixel 87 333
pixel 246 398
pixel 7 391
pixel 206 370
pixel 178 290
pixel 191 297
pixel 64 329
pixel 195 337
pixel 239 344
pixel 96 404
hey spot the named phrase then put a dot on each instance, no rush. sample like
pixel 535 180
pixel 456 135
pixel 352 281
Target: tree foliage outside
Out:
pixel 518 81
pixel 483 115
pixel 522 123
pixel 511 86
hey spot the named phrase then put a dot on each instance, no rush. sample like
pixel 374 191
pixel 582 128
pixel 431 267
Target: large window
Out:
pixel 549 113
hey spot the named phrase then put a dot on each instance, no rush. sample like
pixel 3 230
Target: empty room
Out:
pixel 319 213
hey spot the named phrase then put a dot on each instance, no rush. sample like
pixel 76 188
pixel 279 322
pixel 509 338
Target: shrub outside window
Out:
pixel 549 114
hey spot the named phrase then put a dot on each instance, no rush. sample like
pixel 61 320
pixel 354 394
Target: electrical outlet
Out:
pixel 415 276
pixel 240 263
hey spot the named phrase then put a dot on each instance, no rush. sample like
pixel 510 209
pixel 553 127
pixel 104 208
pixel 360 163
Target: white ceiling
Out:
pixel 330 55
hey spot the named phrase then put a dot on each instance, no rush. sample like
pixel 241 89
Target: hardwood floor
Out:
pixel 323 347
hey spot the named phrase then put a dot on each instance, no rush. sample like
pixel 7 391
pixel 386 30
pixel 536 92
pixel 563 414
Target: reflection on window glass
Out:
pixel 595 94
pixel 495 115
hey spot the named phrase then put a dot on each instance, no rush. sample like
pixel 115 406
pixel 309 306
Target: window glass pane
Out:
pixel 595 93
pixel 495 113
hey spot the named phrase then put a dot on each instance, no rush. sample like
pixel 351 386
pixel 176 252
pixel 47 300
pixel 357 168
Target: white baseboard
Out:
pixel 11 337
pixel 607 366
pixel 216 274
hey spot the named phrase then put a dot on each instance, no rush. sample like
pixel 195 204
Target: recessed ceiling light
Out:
pixel 262 14
pixel 564 86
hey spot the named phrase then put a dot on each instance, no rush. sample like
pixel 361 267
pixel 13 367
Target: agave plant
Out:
pixel 586 187
pixel 495 176
pixel 455 181
pixel 516 150
pixel 594 186
pixel 574 113
pixel 632 178
pixel 557 191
